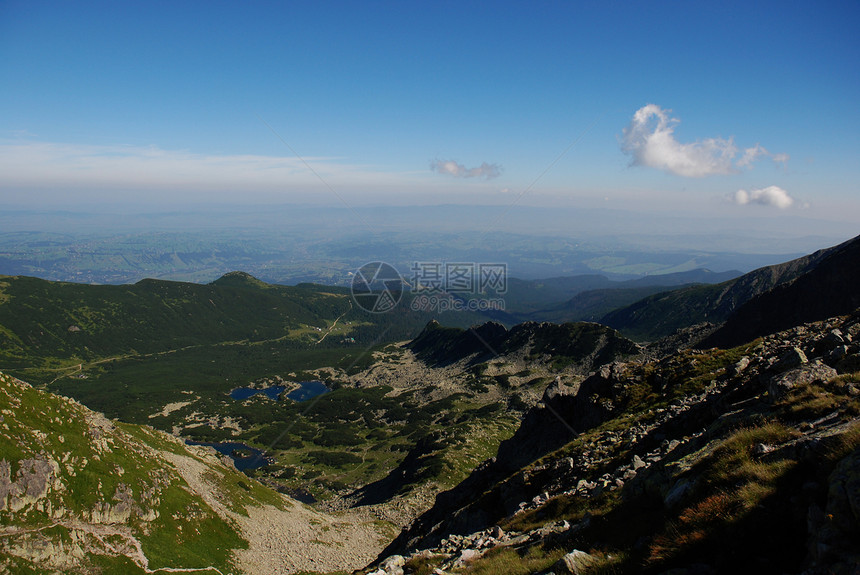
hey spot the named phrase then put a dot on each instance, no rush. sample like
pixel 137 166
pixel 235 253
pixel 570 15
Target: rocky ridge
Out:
pixel 647 466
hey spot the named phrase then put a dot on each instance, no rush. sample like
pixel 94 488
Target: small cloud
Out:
pixel 756 152
pixel 452 168
pixel 780 158
pixel 751 155
pixel 650 139
pixel 773 196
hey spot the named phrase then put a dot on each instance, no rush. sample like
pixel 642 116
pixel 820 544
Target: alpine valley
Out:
pixel 697 423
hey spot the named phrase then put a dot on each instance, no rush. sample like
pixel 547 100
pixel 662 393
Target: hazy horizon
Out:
pixel 728 128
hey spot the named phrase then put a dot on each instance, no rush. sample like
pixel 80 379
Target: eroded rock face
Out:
pixel 791 359
pixel 120 511
pixel 55 554
pixel 32 481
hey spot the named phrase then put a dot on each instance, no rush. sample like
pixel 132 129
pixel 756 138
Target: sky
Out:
pixel 736 109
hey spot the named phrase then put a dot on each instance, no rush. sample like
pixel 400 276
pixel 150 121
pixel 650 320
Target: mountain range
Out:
pixel 704 429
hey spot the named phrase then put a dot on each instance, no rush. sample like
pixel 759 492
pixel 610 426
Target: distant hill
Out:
pixel 56 319
pixel 592 305
pixel 538 299
pixel 831 287
pixel 526 296
pixel 661 314
pixel 41 319
pixel 590 297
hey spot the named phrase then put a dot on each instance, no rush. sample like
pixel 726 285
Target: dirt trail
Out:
pixel 332 326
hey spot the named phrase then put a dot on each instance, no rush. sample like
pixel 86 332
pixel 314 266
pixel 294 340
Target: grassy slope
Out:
pixel 94 461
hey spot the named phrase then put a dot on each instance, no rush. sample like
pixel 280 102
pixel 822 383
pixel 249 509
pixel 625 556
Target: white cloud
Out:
pixel 756 152
pixel 452 168
pixel 773 196
pixel 650 140
pixel 751 155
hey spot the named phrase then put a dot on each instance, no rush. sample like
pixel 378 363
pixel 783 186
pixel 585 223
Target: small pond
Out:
pixel 307 390
pixel 244 457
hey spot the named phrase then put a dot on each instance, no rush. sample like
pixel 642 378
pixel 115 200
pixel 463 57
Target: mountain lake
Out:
pixel 307 390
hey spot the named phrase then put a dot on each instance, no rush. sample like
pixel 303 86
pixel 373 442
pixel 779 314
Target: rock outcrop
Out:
pixel 653 458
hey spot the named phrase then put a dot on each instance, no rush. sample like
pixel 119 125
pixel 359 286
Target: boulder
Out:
pixel 575 563
pixel 829 342
pixel 32 482
pixel 791 359
pixel 391 566
pixel 677 493
pixel 738 367
pixel 780 385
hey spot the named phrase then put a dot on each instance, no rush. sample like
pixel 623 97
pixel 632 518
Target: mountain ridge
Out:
pixel 661 314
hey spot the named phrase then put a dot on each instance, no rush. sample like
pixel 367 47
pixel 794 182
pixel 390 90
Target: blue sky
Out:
pixel 745 108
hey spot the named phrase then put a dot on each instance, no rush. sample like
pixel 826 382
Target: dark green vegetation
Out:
pixel 47 320
pixel 351 437
pixel 129 349
pixel 168 354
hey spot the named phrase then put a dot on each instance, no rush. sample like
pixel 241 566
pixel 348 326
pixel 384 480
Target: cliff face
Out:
pixel 652 465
